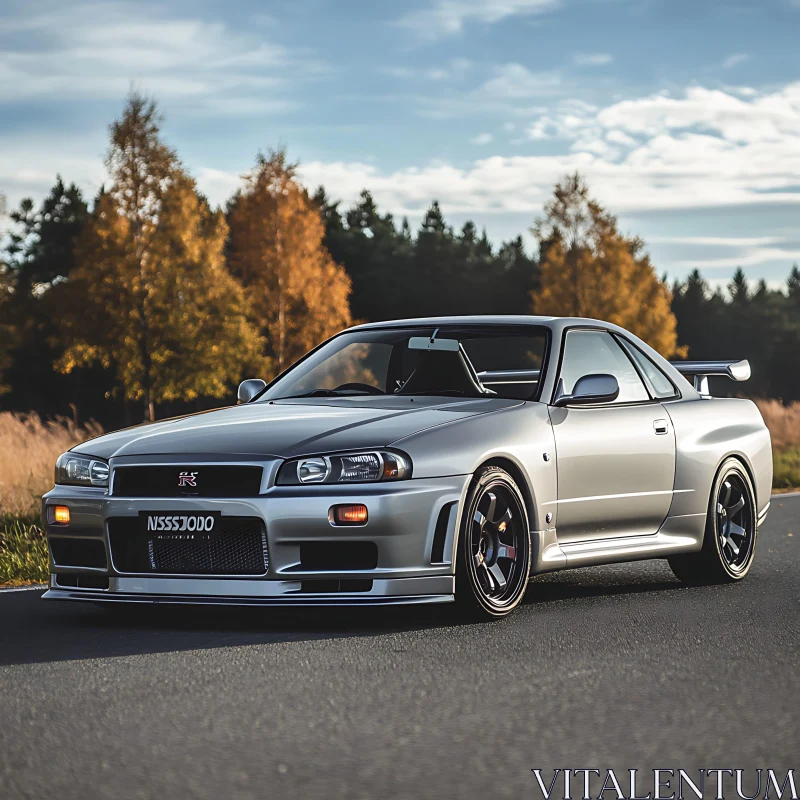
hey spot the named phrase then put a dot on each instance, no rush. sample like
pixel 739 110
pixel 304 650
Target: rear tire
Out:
pixel 493 560
pixel 729 543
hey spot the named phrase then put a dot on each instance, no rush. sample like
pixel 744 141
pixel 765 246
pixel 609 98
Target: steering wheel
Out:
pixel 361 387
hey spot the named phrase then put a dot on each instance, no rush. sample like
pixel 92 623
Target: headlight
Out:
pixel 81 471
pixel 379 465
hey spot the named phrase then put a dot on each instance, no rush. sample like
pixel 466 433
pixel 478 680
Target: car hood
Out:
pixel 286 428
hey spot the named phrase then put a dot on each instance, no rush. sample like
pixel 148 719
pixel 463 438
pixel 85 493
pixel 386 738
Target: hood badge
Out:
pixel 187 479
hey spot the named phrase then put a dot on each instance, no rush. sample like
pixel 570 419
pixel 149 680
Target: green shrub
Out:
pixel 786 469
pixel 23 552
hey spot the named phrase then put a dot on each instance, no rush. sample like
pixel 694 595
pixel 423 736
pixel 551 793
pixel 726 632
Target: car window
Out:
pixel 359 362
pixel 592 352
pixel 501 360
pixel 509 365
pixel 659 384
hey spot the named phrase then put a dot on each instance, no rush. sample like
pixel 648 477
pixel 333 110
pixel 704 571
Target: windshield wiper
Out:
pixel 438 393
pixel 323 393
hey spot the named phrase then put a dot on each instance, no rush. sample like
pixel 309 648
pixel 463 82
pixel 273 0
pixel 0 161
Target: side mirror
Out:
pixel 589 390
pixel 249 389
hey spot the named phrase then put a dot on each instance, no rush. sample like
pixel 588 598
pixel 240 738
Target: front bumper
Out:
pixel 412 523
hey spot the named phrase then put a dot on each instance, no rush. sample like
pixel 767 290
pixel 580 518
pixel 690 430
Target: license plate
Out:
pixel 178 522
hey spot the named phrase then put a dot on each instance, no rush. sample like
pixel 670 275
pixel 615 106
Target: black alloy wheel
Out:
pixel 729 543
pixel 495 547
pixel 735 522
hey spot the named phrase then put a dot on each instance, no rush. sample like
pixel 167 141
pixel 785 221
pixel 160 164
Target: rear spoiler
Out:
pixel 701 370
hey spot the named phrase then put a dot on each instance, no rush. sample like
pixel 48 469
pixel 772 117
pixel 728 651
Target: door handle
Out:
pixel 660 426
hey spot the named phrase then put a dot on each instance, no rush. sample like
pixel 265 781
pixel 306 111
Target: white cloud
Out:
pixel 455 68
pixel 704 148
pixel 700 148
pixel 509 90
pixel 482 138
pixel 765 117
pixel 593 59
pixel 515 82
pixel 718 241
pixel 448 17
pixel 734 60
pixel 97 50
pixel 747 257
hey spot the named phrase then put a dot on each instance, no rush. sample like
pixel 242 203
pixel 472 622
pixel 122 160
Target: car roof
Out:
pixel 555 323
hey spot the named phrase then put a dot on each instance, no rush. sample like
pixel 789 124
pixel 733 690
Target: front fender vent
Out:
pixel 443 524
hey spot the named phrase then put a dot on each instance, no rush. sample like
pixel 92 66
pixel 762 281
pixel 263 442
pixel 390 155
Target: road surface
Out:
pixel 615 667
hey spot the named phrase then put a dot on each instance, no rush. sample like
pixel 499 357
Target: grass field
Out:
pixel 29 447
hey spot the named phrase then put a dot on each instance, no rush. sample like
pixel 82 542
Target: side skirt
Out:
pixel 680 534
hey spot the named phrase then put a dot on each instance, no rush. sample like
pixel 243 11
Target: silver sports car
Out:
pixel 421 461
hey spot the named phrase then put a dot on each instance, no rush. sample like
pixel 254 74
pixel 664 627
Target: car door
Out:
pixel 616 462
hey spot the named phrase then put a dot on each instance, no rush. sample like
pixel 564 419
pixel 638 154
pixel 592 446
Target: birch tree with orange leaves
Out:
pixel 590 269
pixel 298 293
pixel 150 296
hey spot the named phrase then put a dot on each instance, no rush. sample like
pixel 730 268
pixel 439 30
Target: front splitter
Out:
pixel 294 602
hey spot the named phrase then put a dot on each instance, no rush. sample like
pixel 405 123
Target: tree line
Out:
pixel 151 300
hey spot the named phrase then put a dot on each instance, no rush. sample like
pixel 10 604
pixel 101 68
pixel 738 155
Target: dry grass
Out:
pixel 29 448
pixel 783 423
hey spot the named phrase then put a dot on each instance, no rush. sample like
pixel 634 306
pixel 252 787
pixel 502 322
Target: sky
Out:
pixel 684 117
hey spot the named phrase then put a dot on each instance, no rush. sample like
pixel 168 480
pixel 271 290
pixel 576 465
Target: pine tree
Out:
pixel 738 288
pixel 589 269
pixel 7 333
pixel 150 296
pixel 299 295
pixel 41 244
pixel 40 256
pixel 793 285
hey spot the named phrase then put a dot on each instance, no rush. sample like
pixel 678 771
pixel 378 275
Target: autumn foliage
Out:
pixel 589 269
pixel 299 296
pixel 151 296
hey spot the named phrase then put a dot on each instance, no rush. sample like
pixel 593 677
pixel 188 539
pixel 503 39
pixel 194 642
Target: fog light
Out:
pixel 58 515
pixel 348 515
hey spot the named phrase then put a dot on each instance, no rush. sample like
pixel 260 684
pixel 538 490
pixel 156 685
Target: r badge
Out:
pixel 187 479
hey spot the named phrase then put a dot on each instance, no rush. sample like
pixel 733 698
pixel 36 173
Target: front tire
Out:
pixel 729 544
pixel 493 562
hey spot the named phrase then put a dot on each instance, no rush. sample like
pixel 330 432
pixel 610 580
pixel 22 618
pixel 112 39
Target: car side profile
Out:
pixel 421 461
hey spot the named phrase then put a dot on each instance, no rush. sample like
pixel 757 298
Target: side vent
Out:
pixel 440 534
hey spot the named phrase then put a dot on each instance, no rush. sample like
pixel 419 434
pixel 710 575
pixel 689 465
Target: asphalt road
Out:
pixel 618 667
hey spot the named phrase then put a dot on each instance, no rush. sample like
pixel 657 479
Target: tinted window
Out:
pixel 592 352
pixel 358 362
pixel 659 384
pixel 502 360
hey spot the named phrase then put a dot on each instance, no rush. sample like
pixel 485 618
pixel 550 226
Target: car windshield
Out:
pixel 463 361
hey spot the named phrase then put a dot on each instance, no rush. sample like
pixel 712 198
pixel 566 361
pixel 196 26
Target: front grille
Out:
pixel 236 546
pixel 187 481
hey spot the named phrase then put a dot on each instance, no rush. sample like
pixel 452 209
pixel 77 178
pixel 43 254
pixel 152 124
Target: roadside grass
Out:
pixel 29 448
pixel 786 466
pixel 23 552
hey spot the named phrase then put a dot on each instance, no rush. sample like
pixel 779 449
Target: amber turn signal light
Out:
pixel 58 515
pixel 348 515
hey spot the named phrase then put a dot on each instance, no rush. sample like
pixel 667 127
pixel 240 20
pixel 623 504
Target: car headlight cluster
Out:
pixel 377 465
pixel 78 470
